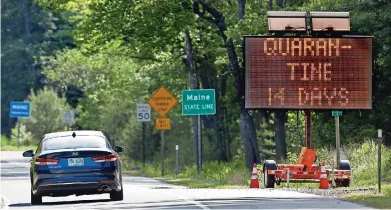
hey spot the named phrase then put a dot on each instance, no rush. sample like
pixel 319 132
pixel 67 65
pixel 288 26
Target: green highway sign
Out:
pixel 198 102
pixel 336 113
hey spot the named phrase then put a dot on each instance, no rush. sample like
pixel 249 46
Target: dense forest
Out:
pixel 101 58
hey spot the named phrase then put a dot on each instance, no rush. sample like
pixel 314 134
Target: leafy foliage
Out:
pixel 46 113
pixel 26 137
pixel 28 32
pixel 122 51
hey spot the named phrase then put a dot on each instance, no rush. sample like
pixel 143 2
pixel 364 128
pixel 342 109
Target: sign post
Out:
pixel 336 114
pixel 162 155
pixel 379 135
pixel 18 132
pixel 19 109
pixel 176 160
pixel 162 124
pixel 199 102
pixel 162 101
pixel 143 115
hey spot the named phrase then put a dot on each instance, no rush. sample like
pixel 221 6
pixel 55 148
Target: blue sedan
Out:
pixel 75 163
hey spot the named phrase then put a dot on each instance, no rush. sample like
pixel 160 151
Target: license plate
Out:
pixel 76 162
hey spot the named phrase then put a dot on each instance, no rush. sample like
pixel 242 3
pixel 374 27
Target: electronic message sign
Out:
pixel 308 73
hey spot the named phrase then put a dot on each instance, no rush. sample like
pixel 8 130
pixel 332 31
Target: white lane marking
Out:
pixel 6 202
pixel 202 206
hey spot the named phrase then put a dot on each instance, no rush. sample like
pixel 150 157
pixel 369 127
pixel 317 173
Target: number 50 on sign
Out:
pixel 143 113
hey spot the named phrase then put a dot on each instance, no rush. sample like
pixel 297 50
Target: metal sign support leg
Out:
pixel 199 145
pixel 162 151
pixel 308 129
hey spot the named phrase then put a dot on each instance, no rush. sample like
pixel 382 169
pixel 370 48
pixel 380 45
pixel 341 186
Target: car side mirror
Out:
pixel 28 153
pixel 119 149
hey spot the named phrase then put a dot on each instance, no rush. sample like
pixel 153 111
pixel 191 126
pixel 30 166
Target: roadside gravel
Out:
pixel 334 193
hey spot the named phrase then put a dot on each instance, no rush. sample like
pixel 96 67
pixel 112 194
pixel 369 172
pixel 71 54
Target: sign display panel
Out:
pixel 308 73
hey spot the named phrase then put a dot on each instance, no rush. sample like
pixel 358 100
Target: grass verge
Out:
pixel 191 183
pixel 379 201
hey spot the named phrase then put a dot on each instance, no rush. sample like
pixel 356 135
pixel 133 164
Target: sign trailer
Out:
pixel 308 73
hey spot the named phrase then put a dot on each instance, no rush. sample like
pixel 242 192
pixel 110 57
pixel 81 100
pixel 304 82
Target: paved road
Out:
pixel 145 193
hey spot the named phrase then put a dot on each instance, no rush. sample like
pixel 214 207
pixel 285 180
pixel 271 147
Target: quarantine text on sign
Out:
pixel 308 73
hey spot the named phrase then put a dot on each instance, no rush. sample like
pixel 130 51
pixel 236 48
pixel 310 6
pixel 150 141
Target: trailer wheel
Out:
pixel 345 182
pixel 345 165
pixel 269 180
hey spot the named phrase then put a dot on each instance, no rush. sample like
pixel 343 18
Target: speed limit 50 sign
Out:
pixel 143 113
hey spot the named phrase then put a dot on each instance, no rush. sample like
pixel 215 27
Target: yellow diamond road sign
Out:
pixel 162 101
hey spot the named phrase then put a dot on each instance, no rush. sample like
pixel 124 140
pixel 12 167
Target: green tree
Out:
pixel 26 138
pixel 27 32
pixel 46 112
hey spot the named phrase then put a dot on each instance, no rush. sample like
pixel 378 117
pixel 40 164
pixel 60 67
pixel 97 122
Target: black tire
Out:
pixel 117 195
pixel 35 199
pixel 269 180
pixel 345 183
pixel 345 165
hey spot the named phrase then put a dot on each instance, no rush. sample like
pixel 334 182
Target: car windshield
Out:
pixel 71 143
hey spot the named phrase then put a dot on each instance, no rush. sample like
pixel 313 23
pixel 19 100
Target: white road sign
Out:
pixel 68 117
pixel 143 113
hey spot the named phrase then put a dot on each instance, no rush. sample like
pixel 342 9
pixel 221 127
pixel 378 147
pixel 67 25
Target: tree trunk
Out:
pixel 247 125
pixel 193 85
pixel 261 117
pixel 26 17
pixel 207 75
pixel 225 117
pixel 280 3
pixel 279 129
pixel 241 6
pixel 270 5
pixel 249 137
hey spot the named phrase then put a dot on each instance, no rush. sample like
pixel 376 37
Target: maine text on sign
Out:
pixel 198 102
pixel 308 73
pixel 19 109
